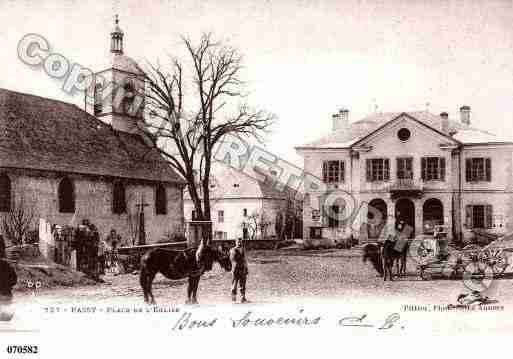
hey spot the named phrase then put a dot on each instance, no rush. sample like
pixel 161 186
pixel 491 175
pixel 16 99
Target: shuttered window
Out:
pixel 405 168
pixel 333 171
pixel 478 169
pixel 432 168
pixel 377 169
pixel 479 216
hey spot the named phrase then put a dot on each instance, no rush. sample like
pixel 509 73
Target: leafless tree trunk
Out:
pixel 193 107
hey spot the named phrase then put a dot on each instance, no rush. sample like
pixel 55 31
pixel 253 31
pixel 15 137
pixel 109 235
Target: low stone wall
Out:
pixel 248 244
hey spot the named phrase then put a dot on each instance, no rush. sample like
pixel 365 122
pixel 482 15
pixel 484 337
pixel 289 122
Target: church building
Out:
pixel 63 164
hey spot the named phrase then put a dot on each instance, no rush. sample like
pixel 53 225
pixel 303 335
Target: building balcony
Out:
pixel 406 187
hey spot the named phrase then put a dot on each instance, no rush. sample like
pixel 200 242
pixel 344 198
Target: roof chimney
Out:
pixel 444 122
pixel 341 120
pixel 465 114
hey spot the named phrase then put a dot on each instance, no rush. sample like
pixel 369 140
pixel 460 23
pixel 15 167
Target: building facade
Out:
pixel 240 202
pixel 63 164
pixel 412 168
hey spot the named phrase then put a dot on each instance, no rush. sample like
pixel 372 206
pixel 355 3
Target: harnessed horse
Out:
pixel 190 263
pixel 383 256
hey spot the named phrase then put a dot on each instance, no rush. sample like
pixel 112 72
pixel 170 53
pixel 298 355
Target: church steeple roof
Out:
pixel 116 38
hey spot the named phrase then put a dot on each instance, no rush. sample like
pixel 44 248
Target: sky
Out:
pixel 303 59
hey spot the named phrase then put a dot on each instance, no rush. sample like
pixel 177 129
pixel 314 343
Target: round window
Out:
pixel 404 134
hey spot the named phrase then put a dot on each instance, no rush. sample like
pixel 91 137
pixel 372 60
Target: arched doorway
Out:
pixel 432 214
pixel 376 217
pixel 405 216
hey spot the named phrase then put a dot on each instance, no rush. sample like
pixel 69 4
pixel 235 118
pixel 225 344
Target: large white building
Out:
pixel 238 200
pixel 415 167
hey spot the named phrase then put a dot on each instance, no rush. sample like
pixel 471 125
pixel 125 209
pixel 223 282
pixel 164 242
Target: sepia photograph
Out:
pixel 221 178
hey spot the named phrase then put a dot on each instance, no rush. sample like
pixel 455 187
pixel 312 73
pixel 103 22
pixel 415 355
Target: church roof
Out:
pixel 359 129
pixel 45 134
pixel 125 63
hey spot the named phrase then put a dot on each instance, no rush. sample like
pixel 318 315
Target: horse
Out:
pixel 190 263
pixel 383 256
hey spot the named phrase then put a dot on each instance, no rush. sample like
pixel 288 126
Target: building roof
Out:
pixel 229 183
pixel 45 134
pixel 345 138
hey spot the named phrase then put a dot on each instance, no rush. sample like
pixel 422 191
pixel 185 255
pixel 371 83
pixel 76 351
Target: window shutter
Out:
pixel 325 172
pixel 488 169
pixel 342 171
pixel 442 169
pixel 468 216
pixel 488 216
pixel 368 170
pixel 468 169
pixel 386 169
pixel 423 168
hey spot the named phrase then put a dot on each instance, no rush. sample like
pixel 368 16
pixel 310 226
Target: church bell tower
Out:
pixel 117 92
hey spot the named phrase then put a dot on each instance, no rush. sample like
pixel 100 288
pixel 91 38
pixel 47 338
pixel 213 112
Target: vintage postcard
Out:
pixel 252 178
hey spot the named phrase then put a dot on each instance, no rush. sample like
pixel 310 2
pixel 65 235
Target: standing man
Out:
pixel 239 270
pixel 8 280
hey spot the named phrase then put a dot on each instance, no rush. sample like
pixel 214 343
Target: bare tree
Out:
pixel 193 107
pixel 18 221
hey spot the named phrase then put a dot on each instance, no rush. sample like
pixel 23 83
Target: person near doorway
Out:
pixel 239 270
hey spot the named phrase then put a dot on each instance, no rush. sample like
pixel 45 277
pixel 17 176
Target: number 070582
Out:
pixel 22 349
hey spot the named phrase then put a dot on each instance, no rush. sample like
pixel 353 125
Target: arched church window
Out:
pixel 66 194
pixel 5 193
pixel 98 95
pixel 160 200
pixel 118 198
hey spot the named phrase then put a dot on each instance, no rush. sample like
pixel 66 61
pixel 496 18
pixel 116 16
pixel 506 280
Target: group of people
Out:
pixel 94 255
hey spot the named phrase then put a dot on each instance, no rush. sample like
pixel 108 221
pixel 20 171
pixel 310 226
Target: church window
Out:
pixel 5 193
pixel 98 92
pixel 118 198
pixel 160 200
pixel 66 192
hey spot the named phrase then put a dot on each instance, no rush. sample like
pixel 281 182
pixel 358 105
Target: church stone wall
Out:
pixel 93 200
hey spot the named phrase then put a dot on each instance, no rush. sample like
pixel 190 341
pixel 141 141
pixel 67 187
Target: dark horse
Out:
pixel 190 263
pixel 383 255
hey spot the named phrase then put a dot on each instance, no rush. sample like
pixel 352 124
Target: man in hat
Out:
pixel 239 270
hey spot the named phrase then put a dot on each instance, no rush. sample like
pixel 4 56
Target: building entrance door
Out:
pixel 405 216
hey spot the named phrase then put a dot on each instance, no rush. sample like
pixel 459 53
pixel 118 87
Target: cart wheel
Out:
pixel 477 276
pixel 497 260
